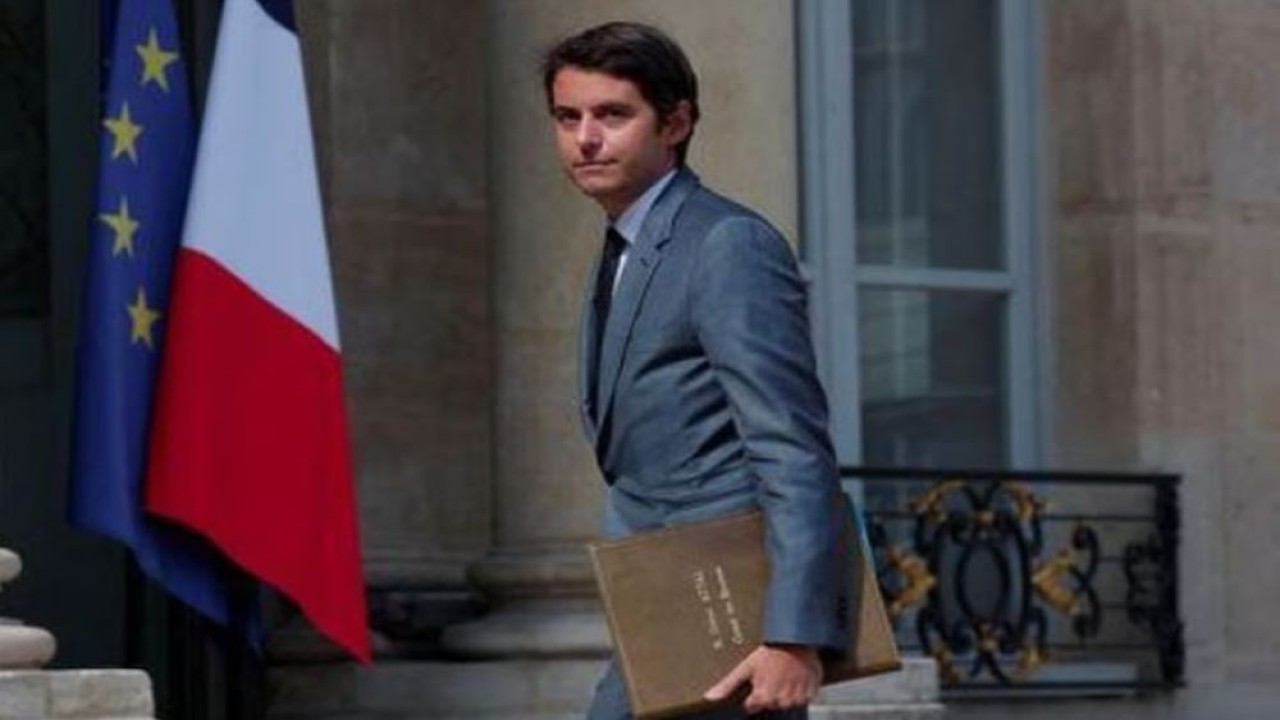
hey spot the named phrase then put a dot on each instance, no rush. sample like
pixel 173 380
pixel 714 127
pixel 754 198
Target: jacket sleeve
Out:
pixel 747 304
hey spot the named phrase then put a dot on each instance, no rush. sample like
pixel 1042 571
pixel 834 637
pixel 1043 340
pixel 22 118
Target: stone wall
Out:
pixel 1162 131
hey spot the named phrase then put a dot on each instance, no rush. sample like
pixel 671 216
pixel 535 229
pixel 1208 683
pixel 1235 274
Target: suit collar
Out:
pixel 631 222
pixel 656 230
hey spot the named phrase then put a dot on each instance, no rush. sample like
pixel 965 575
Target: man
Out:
pixel 698 386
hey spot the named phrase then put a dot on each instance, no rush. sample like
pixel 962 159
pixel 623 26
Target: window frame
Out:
pixel 825 49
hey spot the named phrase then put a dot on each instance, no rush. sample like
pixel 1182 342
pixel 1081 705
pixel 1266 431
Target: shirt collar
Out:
pixel 630 222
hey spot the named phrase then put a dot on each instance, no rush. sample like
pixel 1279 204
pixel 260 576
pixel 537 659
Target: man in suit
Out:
pixel 699 392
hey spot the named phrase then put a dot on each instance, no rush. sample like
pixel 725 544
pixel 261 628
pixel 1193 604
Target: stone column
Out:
pixel 398 109
pixel 547 491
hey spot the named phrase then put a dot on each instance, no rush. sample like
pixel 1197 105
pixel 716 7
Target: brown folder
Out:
pixel 686 604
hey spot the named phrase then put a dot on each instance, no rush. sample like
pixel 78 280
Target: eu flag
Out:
pixel 147 150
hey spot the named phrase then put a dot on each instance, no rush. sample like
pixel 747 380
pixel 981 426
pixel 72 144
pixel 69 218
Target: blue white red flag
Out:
pixel 249 446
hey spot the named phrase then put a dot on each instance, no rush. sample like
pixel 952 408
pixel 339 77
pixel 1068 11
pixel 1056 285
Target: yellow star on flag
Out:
pixel 155 61
pixel 125 132
pixel 124 227
pixel 144 317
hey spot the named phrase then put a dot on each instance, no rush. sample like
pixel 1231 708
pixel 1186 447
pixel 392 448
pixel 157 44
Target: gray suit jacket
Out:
pixel 710 401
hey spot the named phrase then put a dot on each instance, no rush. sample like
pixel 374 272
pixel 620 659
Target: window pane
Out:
pixel 932 376
pixel 927 131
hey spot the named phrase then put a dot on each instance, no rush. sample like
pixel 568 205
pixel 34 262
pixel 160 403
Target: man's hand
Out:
pixel 781 677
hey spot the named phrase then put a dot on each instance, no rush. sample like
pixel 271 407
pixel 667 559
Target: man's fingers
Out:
pixel 730 682
pixel 783 698
pixel 777 681
pixel 766 697
pixel 759 702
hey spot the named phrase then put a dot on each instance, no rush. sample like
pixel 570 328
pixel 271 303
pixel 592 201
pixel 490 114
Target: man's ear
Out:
pixel 678 124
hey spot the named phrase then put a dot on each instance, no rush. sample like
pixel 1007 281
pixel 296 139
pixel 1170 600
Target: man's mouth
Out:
pixel 592 165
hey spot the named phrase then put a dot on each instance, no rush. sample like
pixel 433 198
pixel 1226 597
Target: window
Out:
pixel 919 227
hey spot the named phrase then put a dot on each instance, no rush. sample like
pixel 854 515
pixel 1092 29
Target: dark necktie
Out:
pixel 614 245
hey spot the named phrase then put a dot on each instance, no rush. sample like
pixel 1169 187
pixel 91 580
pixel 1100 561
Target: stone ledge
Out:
pixel 926 711
pixel 75 695
pixel 916 682
pixel 910 694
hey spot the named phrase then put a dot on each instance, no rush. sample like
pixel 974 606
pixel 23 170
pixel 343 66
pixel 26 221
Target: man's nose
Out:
pixel 588 134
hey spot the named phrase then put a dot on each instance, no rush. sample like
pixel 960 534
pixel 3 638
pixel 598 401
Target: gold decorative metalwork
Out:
pixel 934 502
pixel 983 588
pixel 1028 505
pixel 1030 658
pixel 988 642
pixel 1047 581
pixel 917 580
pixel 947 665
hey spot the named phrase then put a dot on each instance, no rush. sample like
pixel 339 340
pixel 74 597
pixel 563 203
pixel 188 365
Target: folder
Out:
pixel 685 605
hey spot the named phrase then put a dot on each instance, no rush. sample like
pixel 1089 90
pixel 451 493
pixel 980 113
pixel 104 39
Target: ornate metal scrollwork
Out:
pixel 976 574
pixel 919 581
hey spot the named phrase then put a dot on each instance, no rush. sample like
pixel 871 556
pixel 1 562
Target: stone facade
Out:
pixel 1162 137
pixel 460 257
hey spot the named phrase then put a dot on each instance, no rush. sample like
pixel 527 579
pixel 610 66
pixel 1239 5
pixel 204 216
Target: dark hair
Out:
pixel 642 54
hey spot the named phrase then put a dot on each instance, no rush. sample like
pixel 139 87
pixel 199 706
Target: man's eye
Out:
pixel 615 116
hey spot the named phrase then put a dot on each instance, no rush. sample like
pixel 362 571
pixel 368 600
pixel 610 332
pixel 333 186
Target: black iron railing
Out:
pixel 1030 581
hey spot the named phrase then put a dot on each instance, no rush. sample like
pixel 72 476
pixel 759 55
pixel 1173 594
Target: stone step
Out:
pixel 916 682
pixel 541 690
pixel 920 711
pixel 79 694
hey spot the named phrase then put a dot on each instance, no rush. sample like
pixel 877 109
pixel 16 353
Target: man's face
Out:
pixel 612 143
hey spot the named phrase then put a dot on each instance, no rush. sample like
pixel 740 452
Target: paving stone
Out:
pixel 100 693
pixel 23 695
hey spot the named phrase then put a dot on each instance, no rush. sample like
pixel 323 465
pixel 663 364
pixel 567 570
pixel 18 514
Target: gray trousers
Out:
pixel 610 703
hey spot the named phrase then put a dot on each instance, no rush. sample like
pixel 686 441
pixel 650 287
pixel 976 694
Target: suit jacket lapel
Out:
pixel 626 301
pixel 586 354
pixel 641 264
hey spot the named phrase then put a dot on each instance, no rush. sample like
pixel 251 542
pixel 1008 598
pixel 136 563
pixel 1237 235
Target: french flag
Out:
pixel 249 443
